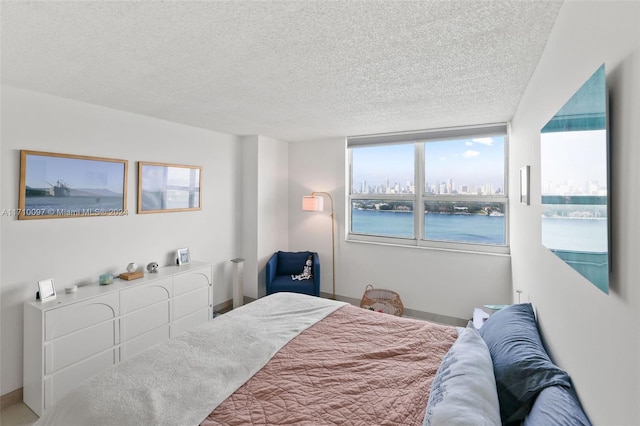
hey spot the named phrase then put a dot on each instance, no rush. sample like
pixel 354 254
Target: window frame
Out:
pixel 420 195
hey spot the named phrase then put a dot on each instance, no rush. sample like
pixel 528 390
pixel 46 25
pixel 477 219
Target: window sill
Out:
pixel 487 250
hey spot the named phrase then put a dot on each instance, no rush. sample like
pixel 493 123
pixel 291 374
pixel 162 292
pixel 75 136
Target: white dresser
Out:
pixel 71 338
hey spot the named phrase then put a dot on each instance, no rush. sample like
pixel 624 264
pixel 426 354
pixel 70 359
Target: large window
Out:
pixel 434 188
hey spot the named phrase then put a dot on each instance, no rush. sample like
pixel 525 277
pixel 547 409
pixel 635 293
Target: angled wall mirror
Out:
pixel 574 174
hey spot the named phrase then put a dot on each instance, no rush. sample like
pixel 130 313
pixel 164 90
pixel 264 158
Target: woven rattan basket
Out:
pixel 380 300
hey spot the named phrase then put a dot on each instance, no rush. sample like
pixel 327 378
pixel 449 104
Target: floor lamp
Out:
pixel 313 203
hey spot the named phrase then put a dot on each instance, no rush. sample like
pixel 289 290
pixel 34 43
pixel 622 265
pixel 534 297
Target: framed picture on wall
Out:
pixel 168 187
pixel 56 185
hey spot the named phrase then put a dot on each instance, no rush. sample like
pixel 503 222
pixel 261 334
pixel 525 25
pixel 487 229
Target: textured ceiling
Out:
pixel 292 70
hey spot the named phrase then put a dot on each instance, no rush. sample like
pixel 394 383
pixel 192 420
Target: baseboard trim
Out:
pixel 227 305
pixel 10 398
pixel 411 313
pixel 222 307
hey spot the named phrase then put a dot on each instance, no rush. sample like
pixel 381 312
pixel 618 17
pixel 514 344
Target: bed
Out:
pixel 295 359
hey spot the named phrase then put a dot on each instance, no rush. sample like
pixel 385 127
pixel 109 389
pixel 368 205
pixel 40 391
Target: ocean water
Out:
pixel 581 235
pixel 74 206
pixel 586 235
pixel 581 244
pixel 468 228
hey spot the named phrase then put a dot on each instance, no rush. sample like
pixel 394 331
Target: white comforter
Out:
pixel 183 380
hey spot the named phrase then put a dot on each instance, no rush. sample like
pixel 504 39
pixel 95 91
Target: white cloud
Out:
pixel 484 141
pixel 468 143
pixel 470 154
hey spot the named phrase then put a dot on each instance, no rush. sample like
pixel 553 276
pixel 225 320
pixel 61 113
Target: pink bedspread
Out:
pixel 353 367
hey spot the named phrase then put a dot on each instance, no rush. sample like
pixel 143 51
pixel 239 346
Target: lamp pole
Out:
pixel 333 242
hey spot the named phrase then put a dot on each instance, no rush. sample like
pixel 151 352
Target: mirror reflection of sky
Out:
pixel 572 162
pixel 44 172
pixel 473 162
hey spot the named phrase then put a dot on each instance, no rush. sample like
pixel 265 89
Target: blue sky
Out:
pixel 573 158
pixel 466 161
pixel 77 173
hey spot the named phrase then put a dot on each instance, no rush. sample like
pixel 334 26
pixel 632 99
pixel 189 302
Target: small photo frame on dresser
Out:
pixel 183 256
pixel 46 290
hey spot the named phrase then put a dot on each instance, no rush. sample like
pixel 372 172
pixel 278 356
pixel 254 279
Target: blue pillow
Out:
pixel 464 389
pixel 558 406
pixel 521 364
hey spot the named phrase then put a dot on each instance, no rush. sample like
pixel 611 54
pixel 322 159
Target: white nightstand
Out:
pixel 479 317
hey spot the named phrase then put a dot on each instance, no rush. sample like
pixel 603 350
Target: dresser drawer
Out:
pixel 145 341
pixel 59 384
pixel 189 322
pixel 188 303
pixel 76 316
pixel 191 280
pixel 77 346
pixel 139 297
pixel 144 320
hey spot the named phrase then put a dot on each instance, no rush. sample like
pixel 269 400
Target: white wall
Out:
pixel 439 282
pixel 248 213
pixel 76 251
pixel 264 211
pixel 273 199
pixel 594 336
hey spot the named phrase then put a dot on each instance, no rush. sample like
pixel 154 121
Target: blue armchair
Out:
pixel 282 265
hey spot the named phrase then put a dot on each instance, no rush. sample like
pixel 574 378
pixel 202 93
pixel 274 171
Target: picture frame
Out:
pixel 54 185
pixel 46 290
pixel 183 256
pixel 524 185
pixel 168 187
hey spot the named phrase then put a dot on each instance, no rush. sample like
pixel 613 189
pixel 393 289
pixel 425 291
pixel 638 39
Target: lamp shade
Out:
pixel 311 203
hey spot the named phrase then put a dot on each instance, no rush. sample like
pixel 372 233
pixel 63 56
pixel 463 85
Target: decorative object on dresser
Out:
pixel 183 256
pixel 81 334
pixel 152 267
pixel 168 187
pixel 132 273
pixel 128 276
pixel 46 290
pixel 105 279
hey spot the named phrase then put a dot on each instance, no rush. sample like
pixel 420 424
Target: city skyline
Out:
pixel 571 187
pixel 447 186
pixel 470 166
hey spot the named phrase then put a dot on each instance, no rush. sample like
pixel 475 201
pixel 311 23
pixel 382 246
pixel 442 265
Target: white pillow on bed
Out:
pixel 464 389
